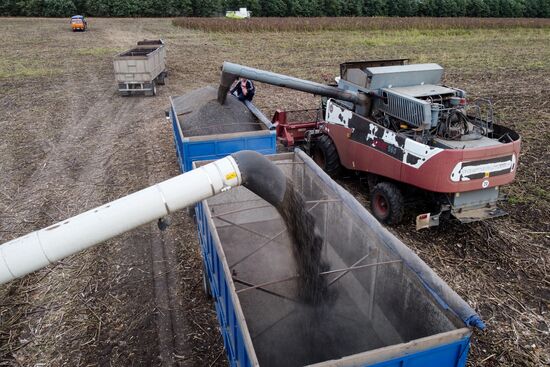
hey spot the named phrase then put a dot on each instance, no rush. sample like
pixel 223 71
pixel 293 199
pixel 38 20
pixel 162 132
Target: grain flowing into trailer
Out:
pixel 383 305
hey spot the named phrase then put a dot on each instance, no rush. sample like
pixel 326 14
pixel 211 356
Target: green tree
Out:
pixel 537 8
pixel 9 7
pixel 312 8
pixel 477 8
pixel 294 8
pixel 353 8
pixel 376 8
pixel 332 8
pixel 206 8
pixel 273 8
pixel 402 8
pixel 31 8
pixel 97 8
pixel 494 8
pixel 460 10
pixel 59 8
pixel 511 8
pixel 185 7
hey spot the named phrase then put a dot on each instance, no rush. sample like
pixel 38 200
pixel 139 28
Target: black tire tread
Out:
pixel 394 197
pixel 332 161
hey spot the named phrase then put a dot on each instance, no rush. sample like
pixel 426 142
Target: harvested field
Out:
pixel 70 143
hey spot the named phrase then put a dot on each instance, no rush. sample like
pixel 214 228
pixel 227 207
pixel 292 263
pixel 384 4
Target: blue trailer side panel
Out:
pixel 233 338
pixel 215 149
pixel 218 147
pixel 449 355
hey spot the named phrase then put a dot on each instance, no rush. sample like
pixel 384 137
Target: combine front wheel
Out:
pixel 386 203
pixel 326 156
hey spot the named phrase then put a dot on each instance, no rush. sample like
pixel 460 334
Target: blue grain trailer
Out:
pixel 257 137
pixel 384 307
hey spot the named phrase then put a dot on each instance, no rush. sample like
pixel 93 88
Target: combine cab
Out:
pixel 78 23
pixel 399 128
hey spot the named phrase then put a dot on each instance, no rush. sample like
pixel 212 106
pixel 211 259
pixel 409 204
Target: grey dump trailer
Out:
pixel 141 68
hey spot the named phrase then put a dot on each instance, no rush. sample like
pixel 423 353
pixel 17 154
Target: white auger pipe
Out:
pixel 38 249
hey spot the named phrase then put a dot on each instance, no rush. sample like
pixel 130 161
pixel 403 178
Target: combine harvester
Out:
pixel 382 305
pixel 403 131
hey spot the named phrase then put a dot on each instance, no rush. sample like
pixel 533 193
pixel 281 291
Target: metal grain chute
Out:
pixel 38 249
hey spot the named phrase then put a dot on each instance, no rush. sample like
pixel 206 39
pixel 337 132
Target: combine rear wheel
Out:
pixel 386 202
pixel 326 156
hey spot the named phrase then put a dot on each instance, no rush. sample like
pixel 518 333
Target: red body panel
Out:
pixel 434 175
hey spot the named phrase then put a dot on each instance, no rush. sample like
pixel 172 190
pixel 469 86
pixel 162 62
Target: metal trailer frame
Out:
pixel 141 68
pixel 447 349
pixel 210 147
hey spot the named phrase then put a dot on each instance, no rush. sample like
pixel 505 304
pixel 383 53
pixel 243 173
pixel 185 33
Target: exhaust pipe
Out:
pixel 38 249
pixel 230 72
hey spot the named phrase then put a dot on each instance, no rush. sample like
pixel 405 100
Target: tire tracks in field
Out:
pixel 75 175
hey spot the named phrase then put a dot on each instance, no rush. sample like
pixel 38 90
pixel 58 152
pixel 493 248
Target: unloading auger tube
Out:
pixel 38 249
pixel 230 72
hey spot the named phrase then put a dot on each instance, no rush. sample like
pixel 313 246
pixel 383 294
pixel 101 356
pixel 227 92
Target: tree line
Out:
pixel 278 8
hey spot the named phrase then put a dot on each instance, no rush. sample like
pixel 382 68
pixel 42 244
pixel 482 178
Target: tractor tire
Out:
pixel 386 202
pixel 324 153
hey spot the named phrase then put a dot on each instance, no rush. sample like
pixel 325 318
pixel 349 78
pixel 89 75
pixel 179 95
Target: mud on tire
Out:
pixel 324 153
pixel 386 202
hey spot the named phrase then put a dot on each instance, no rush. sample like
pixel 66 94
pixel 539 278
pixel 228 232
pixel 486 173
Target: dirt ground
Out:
pixel 70 143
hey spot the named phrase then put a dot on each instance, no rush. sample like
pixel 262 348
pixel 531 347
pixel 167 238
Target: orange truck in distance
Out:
pixel 78 23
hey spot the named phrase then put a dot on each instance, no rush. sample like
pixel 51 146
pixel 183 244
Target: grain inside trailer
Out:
pixel 203 129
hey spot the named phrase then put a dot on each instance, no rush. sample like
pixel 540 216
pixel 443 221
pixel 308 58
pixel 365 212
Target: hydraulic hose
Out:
pixel 261 176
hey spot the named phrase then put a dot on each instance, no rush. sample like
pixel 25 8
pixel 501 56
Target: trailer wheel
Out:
pixel 326 156
pixel 160 78
pixel 386 203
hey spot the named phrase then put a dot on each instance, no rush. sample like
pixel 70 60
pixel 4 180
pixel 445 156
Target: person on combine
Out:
pixel 244 89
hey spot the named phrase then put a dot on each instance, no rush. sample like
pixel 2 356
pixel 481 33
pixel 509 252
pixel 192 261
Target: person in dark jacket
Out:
pixel 244 89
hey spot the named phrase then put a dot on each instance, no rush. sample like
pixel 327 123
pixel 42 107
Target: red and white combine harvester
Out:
pixel 399 127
